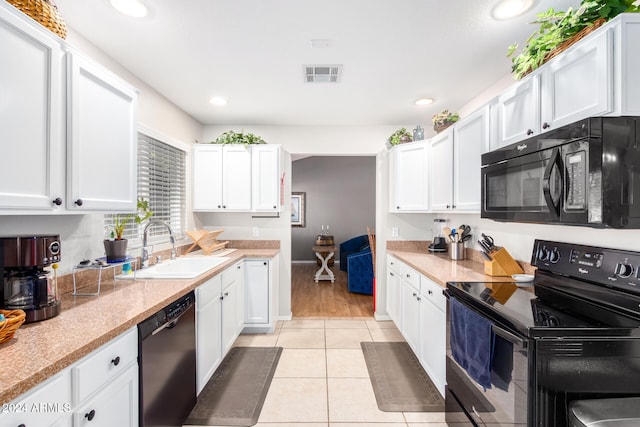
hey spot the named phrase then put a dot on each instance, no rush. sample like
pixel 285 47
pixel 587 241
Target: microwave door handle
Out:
pixel 546 183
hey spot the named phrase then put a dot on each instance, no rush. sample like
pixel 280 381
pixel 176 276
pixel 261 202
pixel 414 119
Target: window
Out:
pixel 161 181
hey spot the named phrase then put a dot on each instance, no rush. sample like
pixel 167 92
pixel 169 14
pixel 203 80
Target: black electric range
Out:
pixel 571 333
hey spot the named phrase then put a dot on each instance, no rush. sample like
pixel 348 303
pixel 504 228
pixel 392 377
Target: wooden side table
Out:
pixel 324 254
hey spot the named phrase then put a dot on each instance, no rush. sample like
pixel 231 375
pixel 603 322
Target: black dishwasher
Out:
pixel 167 349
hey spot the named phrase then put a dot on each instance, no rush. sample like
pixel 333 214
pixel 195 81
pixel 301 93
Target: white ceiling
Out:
pixel 252 52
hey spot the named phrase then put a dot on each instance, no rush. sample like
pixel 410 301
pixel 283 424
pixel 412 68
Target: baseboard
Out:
pixel 286 317
pixel 381 317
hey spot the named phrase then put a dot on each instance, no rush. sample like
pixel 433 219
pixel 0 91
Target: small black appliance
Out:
pixel 583 174
pixel 28 270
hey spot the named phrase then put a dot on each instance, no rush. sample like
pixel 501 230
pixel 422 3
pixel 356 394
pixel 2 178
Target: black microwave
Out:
pixel 586 173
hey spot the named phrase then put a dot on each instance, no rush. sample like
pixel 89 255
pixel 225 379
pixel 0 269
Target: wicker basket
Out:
pixel 43 11
pixel 13 320
pixel 440 127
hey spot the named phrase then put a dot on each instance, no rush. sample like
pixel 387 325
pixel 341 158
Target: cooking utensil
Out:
pixel 447 232
pixel 485 247
pixel 464 231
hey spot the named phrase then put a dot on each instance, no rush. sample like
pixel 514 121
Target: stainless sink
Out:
pixel 180 268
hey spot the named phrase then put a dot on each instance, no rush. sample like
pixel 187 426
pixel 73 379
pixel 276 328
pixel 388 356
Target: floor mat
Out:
pixel 399 382
pixel 236 392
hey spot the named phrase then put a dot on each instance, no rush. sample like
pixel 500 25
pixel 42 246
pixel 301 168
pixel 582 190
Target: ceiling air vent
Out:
pixel 322 73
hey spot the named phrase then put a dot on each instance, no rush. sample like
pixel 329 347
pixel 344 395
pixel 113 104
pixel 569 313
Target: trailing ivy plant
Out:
pixel 231 137
pixel 555 27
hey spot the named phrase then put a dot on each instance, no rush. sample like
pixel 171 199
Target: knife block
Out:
pixel 502 264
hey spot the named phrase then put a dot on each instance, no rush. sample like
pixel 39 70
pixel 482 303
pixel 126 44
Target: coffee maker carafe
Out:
pixel 28 271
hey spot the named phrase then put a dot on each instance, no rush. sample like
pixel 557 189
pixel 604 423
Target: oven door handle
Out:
pixel 546 183
pixel 509 336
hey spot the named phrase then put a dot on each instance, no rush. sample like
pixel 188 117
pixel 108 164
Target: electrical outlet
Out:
pixel 394 232
pixel 256 232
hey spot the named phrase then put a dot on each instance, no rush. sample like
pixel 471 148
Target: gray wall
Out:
pixel 340 192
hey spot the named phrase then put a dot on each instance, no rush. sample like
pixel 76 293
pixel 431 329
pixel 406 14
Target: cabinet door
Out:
pixel 410 315
pixel 236 177
pixel 208 332
pixel 257 292
pixel 409 185
pixel 519 111
pixel 441 171
pixel 31 116
pixel 265 189
pixel 115 405
pixel 207 177
pixel 578 84
pixel 102 139
pixel 432 351
pixel 229 324
pixel 470 136
pixel 392 300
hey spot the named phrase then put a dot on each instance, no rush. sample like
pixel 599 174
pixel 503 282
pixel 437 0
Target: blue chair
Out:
pixel 356 259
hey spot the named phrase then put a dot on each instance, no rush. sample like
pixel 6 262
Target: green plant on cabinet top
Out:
pixel 400 136
pixel 231 137
pixel 557 27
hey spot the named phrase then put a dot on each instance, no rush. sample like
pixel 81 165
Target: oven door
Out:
pixel 506 402
pixel 528 188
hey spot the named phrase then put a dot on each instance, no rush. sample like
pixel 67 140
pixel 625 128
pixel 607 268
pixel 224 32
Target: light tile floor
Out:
pixel 322 378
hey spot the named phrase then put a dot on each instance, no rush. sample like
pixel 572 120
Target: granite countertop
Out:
pixel 441 269
pixel 39 350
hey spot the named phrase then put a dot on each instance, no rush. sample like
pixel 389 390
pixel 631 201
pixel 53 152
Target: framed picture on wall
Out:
pixel 298 209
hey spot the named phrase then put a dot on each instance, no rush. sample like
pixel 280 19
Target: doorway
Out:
pixel 340 200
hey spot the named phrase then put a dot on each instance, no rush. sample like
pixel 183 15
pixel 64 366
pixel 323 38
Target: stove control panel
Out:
pixel 610 267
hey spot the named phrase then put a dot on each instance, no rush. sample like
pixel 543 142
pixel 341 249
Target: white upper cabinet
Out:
pixel 519 111
pixel 409 187
pixel 236 178
pixel 31 116
pixel 470 137
pixel 578 84
pixel 454 169
pixel 595 77
pixel 441 171
pixel 102 149
pixel 68 126
pixel 266 178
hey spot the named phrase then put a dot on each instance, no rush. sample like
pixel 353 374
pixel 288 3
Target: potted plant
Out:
pixel 400 137
pixel 443 120
pixel 231 137
pixel 558 30
pixel 115 246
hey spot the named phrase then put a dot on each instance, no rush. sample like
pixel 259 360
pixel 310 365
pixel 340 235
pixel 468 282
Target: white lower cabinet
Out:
pixel 208 333
pixel 115 405
pixel 420 308
pixel 232 305
pixel 100 389
pixel 432 349
pixel 260 278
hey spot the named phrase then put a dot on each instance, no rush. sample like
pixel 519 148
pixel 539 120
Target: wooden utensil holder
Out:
pixel 502 264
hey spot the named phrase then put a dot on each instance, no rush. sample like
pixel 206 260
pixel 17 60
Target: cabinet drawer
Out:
pixel 231 274
pixel 411 276
pixel 433 292
pixel 208 292
pixel 393 265
pixel 104 364
pixel 42 406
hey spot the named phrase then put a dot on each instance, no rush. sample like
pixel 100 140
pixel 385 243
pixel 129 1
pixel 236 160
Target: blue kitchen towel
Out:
pixel 471 342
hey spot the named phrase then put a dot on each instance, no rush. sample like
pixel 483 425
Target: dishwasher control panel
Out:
pixel 176 309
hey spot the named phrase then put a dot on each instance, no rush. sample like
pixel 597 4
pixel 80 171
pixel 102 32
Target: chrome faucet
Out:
pixel 145 249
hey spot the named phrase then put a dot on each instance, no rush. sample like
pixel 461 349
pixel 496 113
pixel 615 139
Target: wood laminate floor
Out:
pixel 325 299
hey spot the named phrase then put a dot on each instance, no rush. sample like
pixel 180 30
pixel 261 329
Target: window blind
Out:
pixel 161 181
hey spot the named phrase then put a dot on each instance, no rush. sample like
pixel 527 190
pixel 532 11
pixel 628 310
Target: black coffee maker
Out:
pixel 29 281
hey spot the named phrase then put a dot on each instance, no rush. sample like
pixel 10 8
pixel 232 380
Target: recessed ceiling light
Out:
pixel 133 8
pixel 218 101
pixel 507 9
pixel 424 101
